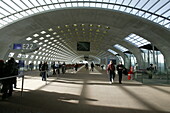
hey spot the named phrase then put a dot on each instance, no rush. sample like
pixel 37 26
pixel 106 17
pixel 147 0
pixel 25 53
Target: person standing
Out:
pixel 151 71
pixel 111 71
pixel 120 68
pixel 40 66
pixel 53 67
pixel 92 66
pixel 44 71
pixel 76 66
pixel 63 67
pixel 86 66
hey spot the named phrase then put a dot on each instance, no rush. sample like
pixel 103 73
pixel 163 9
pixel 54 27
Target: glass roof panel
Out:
pixel 121 48
pixel 150 9
pixel 113 52
pixel 136 40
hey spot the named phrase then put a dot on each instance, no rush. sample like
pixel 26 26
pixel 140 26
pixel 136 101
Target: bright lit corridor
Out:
pixel 86 92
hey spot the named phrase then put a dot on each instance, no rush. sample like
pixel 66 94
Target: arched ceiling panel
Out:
pixel 154 10
pixel 102 28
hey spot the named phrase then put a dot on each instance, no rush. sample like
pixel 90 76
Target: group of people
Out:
pixel 111 71
pixel 87 66
pixel 56 67
pixel 8 69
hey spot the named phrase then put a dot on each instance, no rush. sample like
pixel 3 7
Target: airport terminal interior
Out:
pixel 68 35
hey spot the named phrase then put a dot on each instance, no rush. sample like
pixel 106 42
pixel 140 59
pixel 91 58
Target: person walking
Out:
pixel 76 66
pixel 92 66
pixel 111 71
pixel 120 67
pixel 44 71
pixel 86 66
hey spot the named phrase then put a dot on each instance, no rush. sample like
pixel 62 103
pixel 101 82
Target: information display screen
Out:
pixel 24 47
pixel 83 46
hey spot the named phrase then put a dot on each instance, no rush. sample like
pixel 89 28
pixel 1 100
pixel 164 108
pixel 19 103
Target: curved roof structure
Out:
pixel 154 10
pixel 57 26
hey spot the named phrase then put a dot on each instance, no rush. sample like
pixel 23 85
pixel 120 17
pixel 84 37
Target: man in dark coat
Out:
pixel 120 67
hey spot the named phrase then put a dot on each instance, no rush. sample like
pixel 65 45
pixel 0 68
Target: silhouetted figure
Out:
pixel 111 71
pixel 151 71
pixel 54 68
pixel 31 66
pixel 44 71
pixel 9 70
pixel 58 66
pixel 120 68
pixel 92 66
pixel 102 66
pixel 63 67
pixel 40 66
pixel 86 66
pixel 76 66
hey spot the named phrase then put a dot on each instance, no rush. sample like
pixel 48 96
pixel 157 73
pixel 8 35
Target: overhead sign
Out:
pixel 24 47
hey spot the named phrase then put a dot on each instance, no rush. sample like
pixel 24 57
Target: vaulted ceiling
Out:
pixel 57 30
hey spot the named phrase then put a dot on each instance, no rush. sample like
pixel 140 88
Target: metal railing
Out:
pixel 20 76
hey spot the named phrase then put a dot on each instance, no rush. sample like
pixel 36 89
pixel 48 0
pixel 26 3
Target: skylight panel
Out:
pixel 35 41
pixel 113 52
pixel 35 52
pixel 34 2
pixel 58 36
pixel 68 4
pixel 39 53
pixel 51 38
pixel 10 3
pixel 41 38
pixel 20 4
pixel 35 35
pixel 19 55
pixel 26 56
pixel 32 56
pixel 44 45
pixel 4 12
pixel 6 7
pixel 133 3
pixel 7 19
pixel 48 35
pixel 24 13
pixel 29 38
pixel 121 48
pixel 51 6
pixel 41 2
pixel 11 54
pixel 62 0
pixel 49 42
pixel 43 49
pixel 136 40
pixel 29 12
pixel 28 3
pixel 18 16
pixel 63 5
pixel 80 4
pixel 40 43
pixel 46 7
pixel 54 33
pixel 57 5
pixel 48 1
pixel 43 32
pixel 45 40
pixel 40 8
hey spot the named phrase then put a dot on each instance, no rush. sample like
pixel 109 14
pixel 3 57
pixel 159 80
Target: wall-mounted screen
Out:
pixel 83 46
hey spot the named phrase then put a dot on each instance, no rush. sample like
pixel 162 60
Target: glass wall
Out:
pixel 156 58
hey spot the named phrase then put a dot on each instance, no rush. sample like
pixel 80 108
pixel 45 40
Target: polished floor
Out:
pixel 86 92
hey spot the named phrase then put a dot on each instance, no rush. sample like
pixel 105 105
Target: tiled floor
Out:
pixel 86 92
